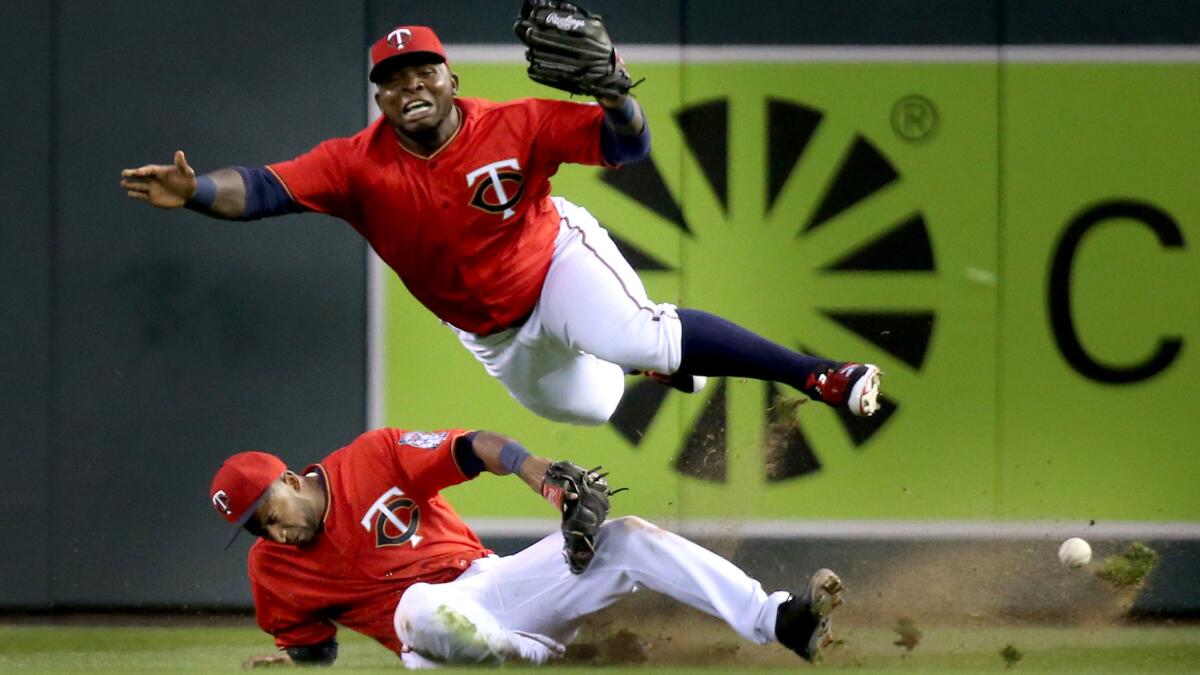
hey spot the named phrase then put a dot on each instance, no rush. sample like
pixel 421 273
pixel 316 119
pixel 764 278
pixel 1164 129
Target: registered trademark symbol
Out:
pixel 915 118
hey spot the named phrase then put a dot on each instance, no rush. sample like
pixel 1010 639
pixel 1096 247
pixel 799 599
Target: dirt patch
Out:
pixel 648 629
pixel 987 582
pixel 984 584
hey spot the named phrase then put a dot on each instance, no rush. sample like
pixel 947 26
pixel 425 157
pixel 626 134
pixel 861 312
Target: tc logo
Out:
pixel 492 194
pixel 399 38
pixel 384 518
pixel 220 501
pixel 820 213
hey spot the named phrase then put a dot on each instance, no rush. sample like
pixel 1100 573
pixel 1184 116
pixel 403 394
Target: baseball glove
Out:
pixel 569 49
pixel 581 497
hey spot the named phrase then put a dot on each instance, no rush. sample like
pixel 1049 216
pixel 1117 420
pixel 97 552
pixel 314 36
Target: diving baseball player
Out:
pixel 453 194
pixel 364 539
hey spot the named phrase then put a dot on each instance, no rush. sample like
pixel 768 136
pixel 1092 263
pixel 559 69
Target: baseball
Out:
pixel 1074 552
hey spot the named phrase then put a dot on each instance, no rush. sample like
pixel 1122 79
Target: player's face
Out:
pixel 418 99
pixel 286 516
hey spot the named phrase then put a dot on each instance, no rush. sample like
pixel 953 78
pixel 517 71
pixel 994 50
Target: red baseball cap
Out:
pixel 405 41
pixel 240 485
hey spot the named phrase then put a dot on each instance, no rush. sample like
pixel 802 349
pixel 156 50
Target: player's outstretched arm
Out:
pixel 569 48
pixel 502 455
pixel 580 496
pixel 624 136
pixel 221 193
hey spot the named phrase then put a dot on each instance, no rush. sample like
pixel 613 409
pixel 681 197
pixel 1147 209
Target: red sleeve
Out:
pixel 568 132
pixel 290 626
pixel 318 179
pixel 426 459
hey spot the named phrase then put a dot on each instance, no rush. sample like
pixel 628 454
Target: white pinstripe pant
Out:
pixel 592 322
pixel 524 606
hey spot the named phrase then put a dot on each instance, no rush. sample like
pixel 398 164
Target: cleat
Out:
pixel 803 624
pixel 688 384
pixel 854 386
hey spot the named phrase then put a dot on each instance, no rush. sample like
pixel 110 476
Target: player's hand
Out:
pixel 581 496
pixel 269 661
pixel 167 186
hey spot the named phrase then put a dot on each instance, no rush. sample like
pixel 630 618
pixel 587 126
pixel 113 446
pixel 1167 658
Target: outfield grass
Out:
pixel 197 648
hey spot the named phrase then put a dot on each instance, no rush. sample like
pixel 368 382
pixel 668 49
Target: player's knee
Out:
pixel 428 622
pixel 590 408
pixel 588 414
pixel 633 525
pixel 417 619
pixel 619 531
pixel 413 612
pixel 599 408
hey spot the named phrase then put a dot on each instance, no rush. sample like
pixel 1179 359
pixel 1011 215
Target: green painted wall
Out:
pixel 1077 136
pixel 989 419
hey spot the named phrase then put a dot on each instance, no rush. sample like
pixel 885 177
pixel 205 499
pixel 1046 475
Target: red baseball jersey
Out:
pixel 469 230
pixel 385 528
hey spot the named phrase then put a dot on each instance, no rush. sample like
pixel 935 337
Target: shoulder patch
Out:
pixel 423 439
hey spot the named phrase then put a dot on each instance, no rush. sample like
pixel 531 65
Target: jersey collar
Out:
pixel 323 477
pixel 462 122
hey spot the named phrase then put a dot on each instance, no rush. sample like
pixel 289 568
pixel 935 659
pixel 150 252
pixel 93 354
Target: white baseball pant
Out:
pixel 524 606
pixel 593 321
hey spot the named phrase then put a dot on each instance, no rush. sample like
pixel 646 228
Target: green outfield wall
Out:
pixel 1012 243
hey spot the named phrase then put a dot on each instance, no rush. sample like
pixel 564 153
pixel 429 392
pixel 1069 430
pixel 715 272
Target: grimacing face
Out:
pixel 417 97
pixel 286 515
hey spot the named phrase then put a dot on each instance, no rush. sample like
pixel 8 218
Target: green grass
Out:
pixel 198 648
pixel 1109 649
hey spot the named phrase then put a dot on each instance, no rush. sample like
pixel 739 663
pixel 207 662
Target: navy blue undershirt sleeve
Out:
pixel 621 148
pixel 464 454
pixel 265 195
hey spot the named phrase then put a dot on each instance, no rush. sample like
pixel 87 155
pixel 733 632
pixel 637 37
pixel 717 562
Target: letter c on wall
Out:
pixel 1169 236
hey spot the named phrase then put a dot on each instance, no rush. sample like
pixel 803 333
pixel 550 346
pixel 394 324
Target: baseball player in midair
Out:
pixel 364 539
pixel 453 194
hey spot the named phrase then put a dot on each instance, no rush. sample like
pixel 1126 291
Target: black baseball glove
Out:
pixel 581 497
pixel 569 49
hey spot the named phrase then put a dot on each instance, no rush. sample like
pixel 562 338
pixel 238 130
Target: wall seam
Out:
pixel 681 404
pixel 52 254
pixel 1001 93
pixel 370 416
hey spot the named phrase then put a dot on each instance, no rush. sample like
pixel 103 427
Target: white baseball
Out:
pixel 1074 552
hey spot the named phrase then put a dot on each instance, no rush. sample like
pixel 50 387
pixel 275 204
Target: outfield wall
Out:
pixel 993 200
pixel 1012 253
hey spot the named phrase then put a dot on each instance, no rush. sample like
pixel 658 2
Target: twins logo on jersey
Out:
pixel 502 187
pixel 386 519
pixel 426 440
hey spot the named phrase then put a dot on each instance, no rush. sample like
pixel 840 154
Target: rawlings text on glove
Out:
pixel 569 49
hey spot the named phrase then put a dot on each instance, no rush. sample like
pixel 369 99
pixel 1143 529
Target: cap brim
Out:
pixel 240 523
pixel 396 59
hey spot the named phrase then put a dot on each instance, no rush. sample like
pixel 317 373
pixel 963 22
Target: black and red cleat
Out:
pixel 854 386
